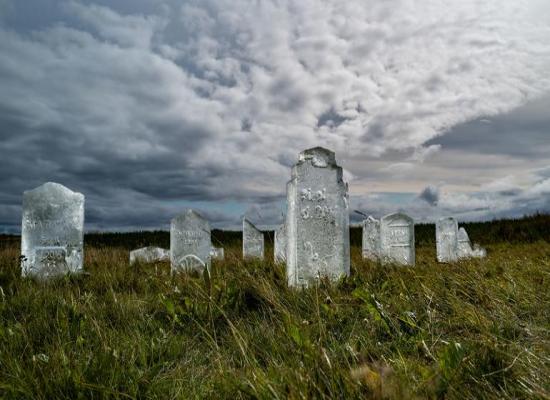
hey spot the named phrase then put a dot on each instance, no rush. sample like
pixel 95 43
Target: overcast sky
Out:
pixel 148 107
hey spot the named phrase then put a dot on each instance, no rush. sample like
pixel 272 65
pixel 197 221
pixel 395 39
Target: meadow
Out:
pixel 475 329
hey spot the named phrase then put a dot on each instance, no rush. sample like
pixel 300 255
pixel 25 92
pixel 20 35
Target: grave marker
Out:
pixel 371 239
pixel 397 239
pixel 446 235
pixel 253 241
pixel 190 242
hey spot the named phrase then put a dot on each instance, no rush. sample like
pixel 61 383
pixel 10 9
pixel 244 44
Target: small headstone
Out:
pixel 371 239
pixel 149 254
pixel 52 231
pixel 190 242
pixel 317 219
pixel 279 249
pixel 217 253
pixel 446 236
pixel 464 246
pixel 397 239
pixel 253 241
pixel 479 252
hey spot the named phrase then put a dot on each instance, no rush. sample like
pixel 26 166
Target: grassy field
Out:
pixel 470 330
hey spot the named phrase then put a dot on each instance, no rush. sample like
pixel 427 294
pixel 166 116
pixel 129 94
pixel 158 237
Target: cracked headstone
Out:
pixel 465 249
pixel 397 239
pixel 149 254
pixel 446 237
pixel 253 241
pixel 52 231
pixel 317 223
pixel 371 239
pixel 279 249
pixel 190 242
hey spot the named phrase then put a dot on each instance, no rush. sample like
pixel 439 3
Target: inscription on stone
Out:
pixel 253 241
pixel 217 253
pixel 52 231
pixel 397 239
pixel 371 239
pixel 317 222
pixel 190 242
pixel 446 237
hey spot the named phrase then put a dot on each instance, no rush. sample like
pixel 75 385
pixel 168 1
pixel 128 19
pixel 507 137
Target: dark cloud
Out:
pixel 430 195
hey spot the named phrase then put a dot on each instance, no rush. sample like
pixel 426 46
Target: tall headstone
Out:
pixel 446 236
pixel 371 239
pixel 253 241
pixel 149 254
pixel 397 239
pixel 317 219
pixel 190 242
pixel 52 232
pixel 279 250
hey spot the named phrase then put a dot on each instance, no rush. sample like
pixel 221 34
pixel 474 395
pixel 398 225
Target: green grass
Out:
pixel 471 330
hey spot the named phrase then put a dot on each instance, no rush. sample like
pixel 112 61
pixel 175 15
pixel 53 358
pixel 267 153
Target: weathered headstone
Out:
pixel 52 232
pixel 279 250
pixel 149 254
pixel 465 249
pixel 397 239
pixel 371 239
pixel 217 253
pixel 190 242
pixel 446 236
pixel 253 241
pixel 317 219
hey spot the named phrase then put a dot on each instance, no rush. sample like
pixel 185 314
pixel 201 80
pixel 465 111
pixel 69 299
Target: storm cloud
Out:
pixel 150 107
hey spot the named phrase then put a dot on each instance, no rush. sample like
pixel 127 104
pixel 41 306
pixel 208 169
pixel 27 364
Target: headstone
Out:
pixel 190 242
pixel 464 246
pixel 446 236
pixel 465 249
pixel 253 241
pixel 371 239
pixel 52 232
pixel 217 253
pixel 279 250
pixel 397 239
pixel 149 254
pixel 317 219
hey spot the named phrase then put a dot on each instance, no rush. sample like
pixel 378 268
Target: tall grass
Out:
pixel 470 330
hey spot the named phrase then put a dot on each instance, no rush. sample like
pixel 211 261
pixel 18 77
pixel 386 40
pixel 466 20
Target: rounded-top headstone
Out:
pixel 446 236
pixel 52 231
pixel 397 239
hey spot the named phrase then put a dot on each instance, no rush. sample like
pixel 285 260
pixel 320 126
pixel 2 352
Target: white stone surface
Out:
pixel 371 239
pixel 317 224
pixel 149 254
pixel 397 239
pixel 446 236
pixel 190 242
pixel 465 249
pixel 52 231
pixel 279 250
pixel 217 253
pixel 253 241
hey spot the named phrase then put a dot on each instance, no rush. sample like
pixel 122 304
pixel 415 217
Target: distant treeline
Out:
pixel 524 230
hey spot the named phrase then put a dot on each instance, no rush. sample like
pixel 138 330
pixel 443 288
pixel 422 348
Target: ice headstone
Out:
pixel 149 254
pixel 190 242
pixel 52 231
pixel 253 241
pixel 446 236
pixel 217 253
pixel 371 239
pixel 317 219
pixel 397 239
pixel 279 250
